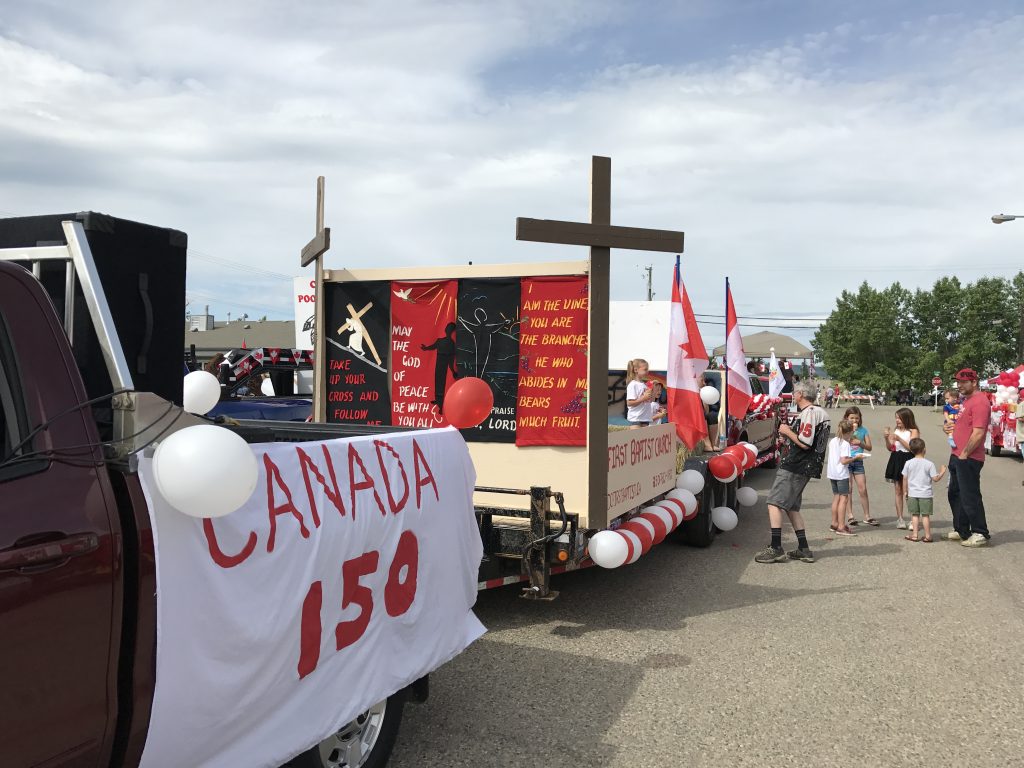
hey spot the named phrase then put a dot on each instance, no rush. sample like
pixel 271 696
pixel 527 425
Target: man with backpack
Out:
pixel 803 455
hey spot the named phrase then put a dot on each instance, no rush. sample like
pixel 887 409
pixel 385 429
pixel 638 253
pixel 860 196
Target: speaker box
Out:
pixel 142 270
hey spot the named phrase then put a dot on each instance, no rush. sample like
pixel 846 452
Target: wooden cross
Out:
pixel 314 250
pixel 601 237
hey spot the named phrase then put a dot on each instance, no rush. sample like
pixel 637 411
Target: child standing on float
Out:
pixel 898 441
pixel 639 395
pixel 860 443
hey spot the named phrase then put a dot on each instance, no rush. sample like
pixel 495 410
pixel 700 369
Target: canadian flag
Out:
pixel 687 359
pixel 739 392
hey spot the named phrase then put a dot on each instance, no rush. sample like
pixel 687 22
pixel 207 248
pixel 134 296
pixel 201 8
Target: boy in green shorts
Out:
pixel 921 475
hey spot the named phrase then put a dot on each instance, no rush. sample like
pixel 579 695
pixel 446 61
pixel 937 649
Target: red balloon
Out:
pixel 723 467
pixel 741 454
pixel 467 402
pixel 660 527
pixel 642 532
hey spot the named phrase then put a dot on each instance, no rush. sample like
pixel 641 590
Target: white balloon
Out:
pixel 684 497
pixel 750 448
pixel 267 388
pixel 690 480
pixel 201 392
pixel 638 547
pixel 709 395
pixel 607 549
pixel 724 518
pixel 205 470
pixel 746 496
pixel 1000 389
pixel 1011 390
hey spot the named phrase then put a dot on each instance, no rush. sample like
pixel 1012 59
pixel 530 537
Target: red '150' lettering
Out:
pixel 399 594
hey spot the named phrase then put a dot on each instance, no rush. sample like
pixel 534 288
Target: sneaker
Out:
pixel 771 555
pixel 901 523
pixel 953 536
pixel 801 554
pixel 975 540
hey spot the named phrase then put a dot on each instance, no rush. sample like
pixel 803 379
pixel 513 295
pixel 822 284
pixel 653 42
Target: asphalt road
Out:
pixel 883 652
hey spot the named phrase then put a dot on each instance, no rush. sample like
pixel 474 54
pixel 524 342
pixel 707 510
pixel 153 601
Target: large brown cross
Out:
pixel 314 250
pixel 601 237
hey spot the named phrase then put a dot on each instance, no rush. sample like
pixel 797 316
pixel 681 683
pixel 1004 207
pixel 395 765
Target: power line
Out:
pixel 237 265
pixel 234 303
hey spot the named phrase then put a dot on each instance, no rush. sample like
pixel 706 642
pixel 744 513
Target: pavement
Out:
pixel 882 653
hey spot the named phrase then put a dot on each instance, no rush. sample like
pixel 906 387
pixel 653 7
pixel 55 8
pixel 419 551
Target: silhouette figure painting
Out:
pixel 444 361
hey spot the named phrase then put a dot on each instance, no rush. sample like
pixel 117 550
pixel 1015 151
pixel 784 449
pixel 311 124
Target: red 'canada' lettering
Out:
pixel 334 496
pixel 226 561
pixel 396 507
pixel 348 632
pixel 310 630
pixel 428 478
pixel 354 459
pixel 274 475
pixel 399 593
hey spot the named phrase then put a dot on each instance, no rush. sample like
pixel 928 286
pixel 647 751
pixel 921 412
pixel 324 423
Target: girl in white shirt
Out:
pixel 640 397
pixel 839 459
pixel 898 441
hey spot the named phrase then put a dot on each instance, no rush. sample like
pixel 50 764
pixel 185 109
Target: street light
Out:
pixel 1001 218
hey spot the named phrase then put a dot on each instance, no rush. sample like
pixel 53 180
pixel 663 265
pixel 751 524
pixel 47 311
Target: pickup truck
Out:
pixel 77 558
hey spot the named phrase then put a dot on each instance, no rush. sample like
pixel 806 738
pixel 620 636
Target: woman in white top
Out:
pixel 898 441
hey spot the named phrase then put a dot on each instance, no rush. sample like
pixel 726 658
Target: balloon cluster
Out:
pixel 1007 395
pixel 635 537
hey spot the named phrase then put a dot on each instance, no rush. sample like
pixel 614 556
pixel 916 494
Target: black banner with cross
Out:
pixel 357 339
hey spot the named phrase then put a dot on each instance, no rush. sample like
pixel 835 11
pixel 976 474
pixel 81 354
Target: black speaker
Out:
pixel 142 270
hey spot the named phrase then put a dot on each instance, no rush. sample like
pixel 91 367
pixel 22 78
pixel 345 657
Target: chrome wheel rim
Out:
pixel 352 744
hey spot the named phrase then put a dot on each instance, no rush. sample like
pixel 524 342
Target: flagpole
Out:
pixel 725 389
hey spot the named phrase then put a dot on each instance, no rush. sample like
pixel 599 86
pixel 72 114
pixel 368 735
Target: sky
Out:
pixel 803 147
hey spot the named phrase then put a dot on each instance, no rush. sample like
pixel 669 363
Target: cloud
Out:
pixel 798 166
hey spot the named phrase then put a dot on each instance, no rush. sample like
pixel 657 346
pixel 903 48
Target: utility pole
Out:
pixel 649 269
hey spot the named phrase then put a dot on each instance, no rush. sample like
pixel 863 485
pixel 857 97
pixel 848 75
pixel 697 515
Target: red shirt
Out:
pixel 974 413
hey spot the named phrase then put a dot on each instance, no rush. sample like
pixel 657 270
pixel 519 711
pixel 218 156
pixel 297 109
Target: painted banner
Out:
pixel 350 573
pixel 641 465
pixel 358 318
pixel 553 371
pixel 488 347
pixel 423 333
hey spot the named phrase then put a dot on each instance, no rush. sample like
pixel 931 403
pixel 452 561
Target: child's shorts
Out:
pixel 921 507
pixel 840 487
pixel 856 467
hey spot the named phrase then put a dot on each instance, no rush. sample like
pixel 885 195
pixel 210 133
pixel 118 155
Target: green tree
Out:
pixel 868 340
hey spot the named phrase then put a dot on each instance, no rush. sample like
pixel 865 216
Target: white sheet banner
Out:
pixel 349 573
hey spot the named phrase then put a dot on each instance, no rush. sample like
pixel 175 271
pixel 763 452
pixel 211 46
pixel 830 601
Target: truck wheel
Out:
pixel 366 742
pixel 700 531
pixel 995 450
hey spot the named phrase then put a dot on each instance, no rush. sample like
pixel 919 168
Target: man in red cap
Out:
pixel 966 461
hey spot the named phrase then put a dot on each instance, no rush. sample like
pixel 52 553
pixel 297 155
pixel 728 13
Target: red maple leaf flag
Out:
pixel 687 359
pixel 736 361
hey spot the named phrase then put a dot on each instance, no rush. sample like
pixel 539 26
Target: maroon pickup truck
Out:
pixel 77 568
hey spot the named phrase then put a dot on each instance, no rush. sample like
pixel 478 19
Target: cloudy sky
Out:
pixel 802 146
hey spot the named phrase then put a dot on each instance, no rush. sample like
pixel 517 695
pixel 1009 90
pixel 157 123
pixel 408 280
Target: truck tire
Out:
pixel 366 742
pixel 700 531
pixel 995 450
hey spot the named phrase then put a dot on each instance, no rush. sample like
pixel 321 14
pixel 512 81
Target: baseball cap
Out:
pixel 966 374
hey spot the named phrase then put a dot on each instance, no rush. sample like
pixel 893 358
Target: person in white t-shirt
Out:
pixel 640 396
pixel 920 475
pixel 839 459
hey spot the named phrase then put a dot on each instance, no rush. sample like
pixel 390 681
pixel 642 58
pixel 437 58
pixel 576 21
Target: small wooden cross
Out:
pixel 601 237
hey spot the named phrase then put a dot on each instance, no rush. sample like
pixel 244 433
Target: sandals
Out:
pixel 871 521
pixel 926 540
pixel 911 538
pixel 851 521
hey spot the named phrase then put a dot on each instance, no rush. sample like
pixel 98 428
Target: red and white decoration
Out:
pixel 687 360
pixel 739 392
pixel 350 572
